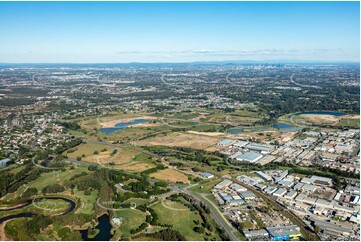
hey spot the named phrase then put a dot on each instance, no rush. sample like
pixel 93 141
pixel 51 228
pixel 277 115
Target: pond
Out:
pixel 104 226
pixel 123 125
pixel 282 127
pixel 337 114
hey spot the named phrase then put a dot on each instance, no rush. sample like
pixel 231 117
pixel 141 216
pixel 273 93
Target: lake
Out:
pixel 337 114
pixel 104 227
pixel 121 126
pixel 281 126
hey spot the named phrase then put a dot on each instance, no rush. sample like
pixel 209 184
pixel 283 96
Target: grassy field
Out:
pixel 132 218
pixel 123 159
pixel 350 122
pixel 170 175
pixel 13 228
pixel 40 206
pixel 87 201
pixel 205 187
pixel 48 178
pixel 182 220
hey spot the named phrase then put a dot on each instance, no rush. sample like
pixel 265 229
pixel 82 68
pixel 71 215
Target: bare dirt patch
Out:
pixel 111 123
pixel 170 176
pixel 182 139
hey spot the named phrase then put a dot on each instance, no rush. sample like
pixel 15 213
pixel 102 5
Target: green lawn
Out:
pixel 46 178
pixel 207 186
pixel 132 218
pixel 87 201
pixel 41 206
pixel 182 220
pixel 350 122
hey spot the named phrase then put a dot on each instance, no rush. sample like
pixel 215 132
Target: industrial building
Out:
pixel 225 142
pixel 265 149
pixel 206 175
pixel 249 156
pixel 280 192
pixel 270 189
pixel 291 195
pixel 256 234
pixel 284 232
pixel 264 176
pixel 237 188
pixel 4 162
pixel 222 184
pixel 247 195
pixel 240 143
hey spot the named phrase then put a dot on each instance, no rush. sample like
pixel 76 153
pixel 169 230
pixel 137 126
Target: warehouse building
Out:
pixel 319 180
pixel 265 149
pixel 291 195
pixel 247 195
pixel 249 156
pixel 206 175
pixel 223 184
pixel 264 176
pixel 4 162
pixel 284 232
pixel 270 189
pixel 256 234
pixel 237 188
pixel 240 143
pixel 280 192
pixel 225 142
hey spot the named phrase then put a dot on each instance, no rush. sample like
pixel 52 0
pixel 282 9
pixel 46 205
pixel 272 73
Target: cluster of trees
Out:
pixel 69 125
pixel 168 235
pixel 154 169
pixel 139 229
pixel 72 143
pixel 53 188
pixel 202 209
pixel 10 182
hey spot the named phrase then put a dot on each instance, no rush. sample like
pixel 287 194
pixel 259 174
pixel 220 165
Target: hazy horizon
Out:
pixel 179 32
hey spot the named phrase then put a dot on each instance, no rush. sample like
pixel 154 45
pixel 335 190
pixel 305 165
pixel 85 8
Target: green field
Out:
pixel 206 186
pixel 132 218
pixel 182 220
pixel 350 122
pixel 41 206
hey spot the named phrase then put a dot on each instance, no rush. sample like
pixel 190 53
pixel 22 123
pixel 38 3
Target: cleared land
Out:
pixel 352 121
pixel 170 175
pixel 194 141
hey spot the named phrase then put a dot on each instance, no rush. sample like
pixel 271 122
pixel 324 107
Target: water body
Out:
pixel 121 126
pixel 337 114
pixel 104 227
pixel 281 126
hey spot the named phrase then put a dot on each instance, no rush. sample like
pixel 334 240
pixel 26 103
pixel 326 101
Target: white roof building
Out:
pixel 223 184
pixel 291 195
pixel 280 192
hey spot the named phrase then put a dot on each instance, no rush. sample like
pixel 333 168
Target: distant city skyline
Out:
pixel 122 32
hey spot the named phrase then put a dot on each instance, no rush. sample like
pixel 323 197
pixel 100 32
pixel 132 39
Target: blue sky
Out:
pixel 105 32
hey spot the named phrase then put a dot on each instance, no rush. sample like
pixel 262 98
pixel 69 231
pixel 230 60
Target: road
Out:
pixel 216 215
pixel 301 85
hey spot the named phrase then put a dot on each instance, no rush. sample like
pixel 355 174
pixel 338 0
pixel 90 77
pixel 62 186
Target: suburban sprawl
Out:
pixel 196 151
